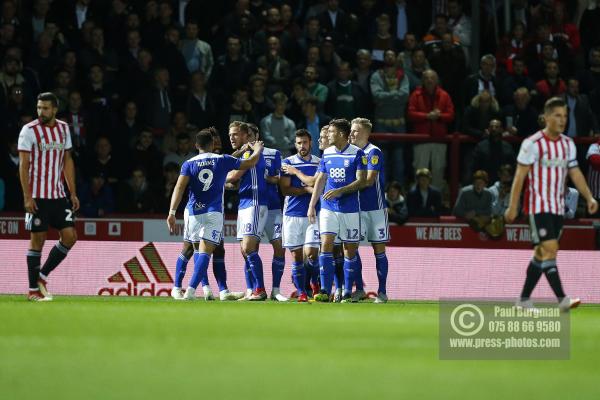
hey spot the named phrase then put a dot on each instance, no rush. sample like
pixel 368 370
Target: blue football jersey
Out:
pixel 273 168
pixel 341 167
pixel 207 172
pixel 373 197
pixel 297 206
pixel 253 187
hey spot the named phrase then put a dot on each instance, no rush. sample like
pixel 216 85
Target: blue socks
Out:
pixel 338 278
pixel 257 269
pixel 327 271
pixel 298 277
pixel 201 261
pixel 349 274
pixel 180 268
pixel 248 275
pixel 277 267
pixel 381 265
pixel 358 273
pixel 313 271
pixel 220 272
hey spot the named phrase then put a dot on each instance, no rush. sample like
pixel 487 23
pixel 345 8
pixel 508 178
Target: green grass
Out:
pixel 131 348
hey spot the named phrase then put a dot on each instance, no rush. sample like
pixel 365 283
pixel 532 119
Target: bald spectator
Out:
pixel 430 110
pixel 521 118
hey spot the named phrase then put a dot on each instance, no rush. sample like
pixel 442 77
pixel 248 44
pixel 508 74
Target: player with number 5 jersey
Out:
pixel 203 219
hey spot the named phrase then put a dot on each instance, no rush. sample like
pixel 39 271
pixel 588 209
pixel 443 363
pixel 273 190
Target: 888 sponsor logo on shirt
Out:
pixel 337 174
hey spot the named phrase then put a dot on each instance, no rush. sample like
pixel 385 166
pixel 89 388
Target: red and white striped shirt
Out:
pixel 593 177
pixel 550 161
pixel 47 147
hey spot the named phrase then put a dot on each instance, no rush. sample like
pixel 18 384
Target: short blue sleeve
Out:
pixel 186 169
pixel 231 163
pixel 361 160
pixel 374 160
pixel 322 166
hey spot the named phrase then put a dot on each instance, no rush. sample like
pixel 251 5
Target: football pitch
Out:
pixel 155 348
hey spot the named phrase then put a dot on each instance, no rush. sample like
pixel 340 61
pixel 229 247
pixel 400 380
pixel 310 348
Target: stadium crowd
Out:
pixel 137 79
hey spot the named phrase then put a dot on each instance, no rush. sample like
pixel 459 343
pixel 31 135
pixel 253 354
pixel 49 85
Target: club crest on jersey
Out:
pixel 364 160
pixel 346 163
pixel 246 155
pixel 375 160
pixel 543 232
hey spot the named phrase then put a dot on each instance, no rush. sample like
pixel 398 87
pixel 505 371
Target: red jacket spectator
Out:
pixel 546 89
pixel 422 103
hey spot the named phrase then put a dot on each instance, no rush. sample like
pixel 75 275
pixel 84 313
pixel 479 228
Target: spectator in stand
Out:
pixel 197 53
pixel 362 72
pixel 515 79
pixel 588 27
pixel 170 175
pixel 273 27
pixel 183 153
pixel 231 70
pixel 451 66
pixel 311 36
pixel 485 79
pixel 390 89
pixel 432 41
pixel 15 108
pixel 128 129
pixel 179 126
pixel 316 89
pixel 156 103
pixel 552 85
pixel 409 44
pixel 276 129
pixel 147 156
pixel 289 24
pixel 200 105
pixel 278 68
pixel 460 25
pixel 366 13
pixel 9 173
pixel 313 121
pixel 10 75
pixel 430 111
pixel 590 78
pixel 170 56
pixel 396 203
pixel 521 118
pixel 511 47
pixel 335 22
pixel 424 201
pixel 100 98
pixel 43 61
pixel 261 104
pixel 240 109
pixel 383 39
pixel 410 16
pixel 136 196
pixel 79 125
pixel 418 65
pixel 98 54
pixel 483 109
pixel 96 197
pixel 329 60
pixel 298 95
pixel 564 31
pixel 346 99
pixel 493 152
pixel 544 48
pixel 474 202
pixel 500 190
pixel 581 120
pixel 103 163
pixel 62 87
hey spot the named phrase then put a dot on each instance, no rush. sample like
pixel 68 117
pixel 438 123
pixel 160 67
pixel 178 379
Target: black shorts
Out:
pixel 544 227
pixel 56 213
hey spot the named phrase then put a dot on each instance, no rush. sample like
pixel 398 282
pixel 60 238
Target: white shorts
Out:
pixel 299 232
pixel 272 229
pixel 251 221
pixel 208 226
pixel 374 226
pixel 346 226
